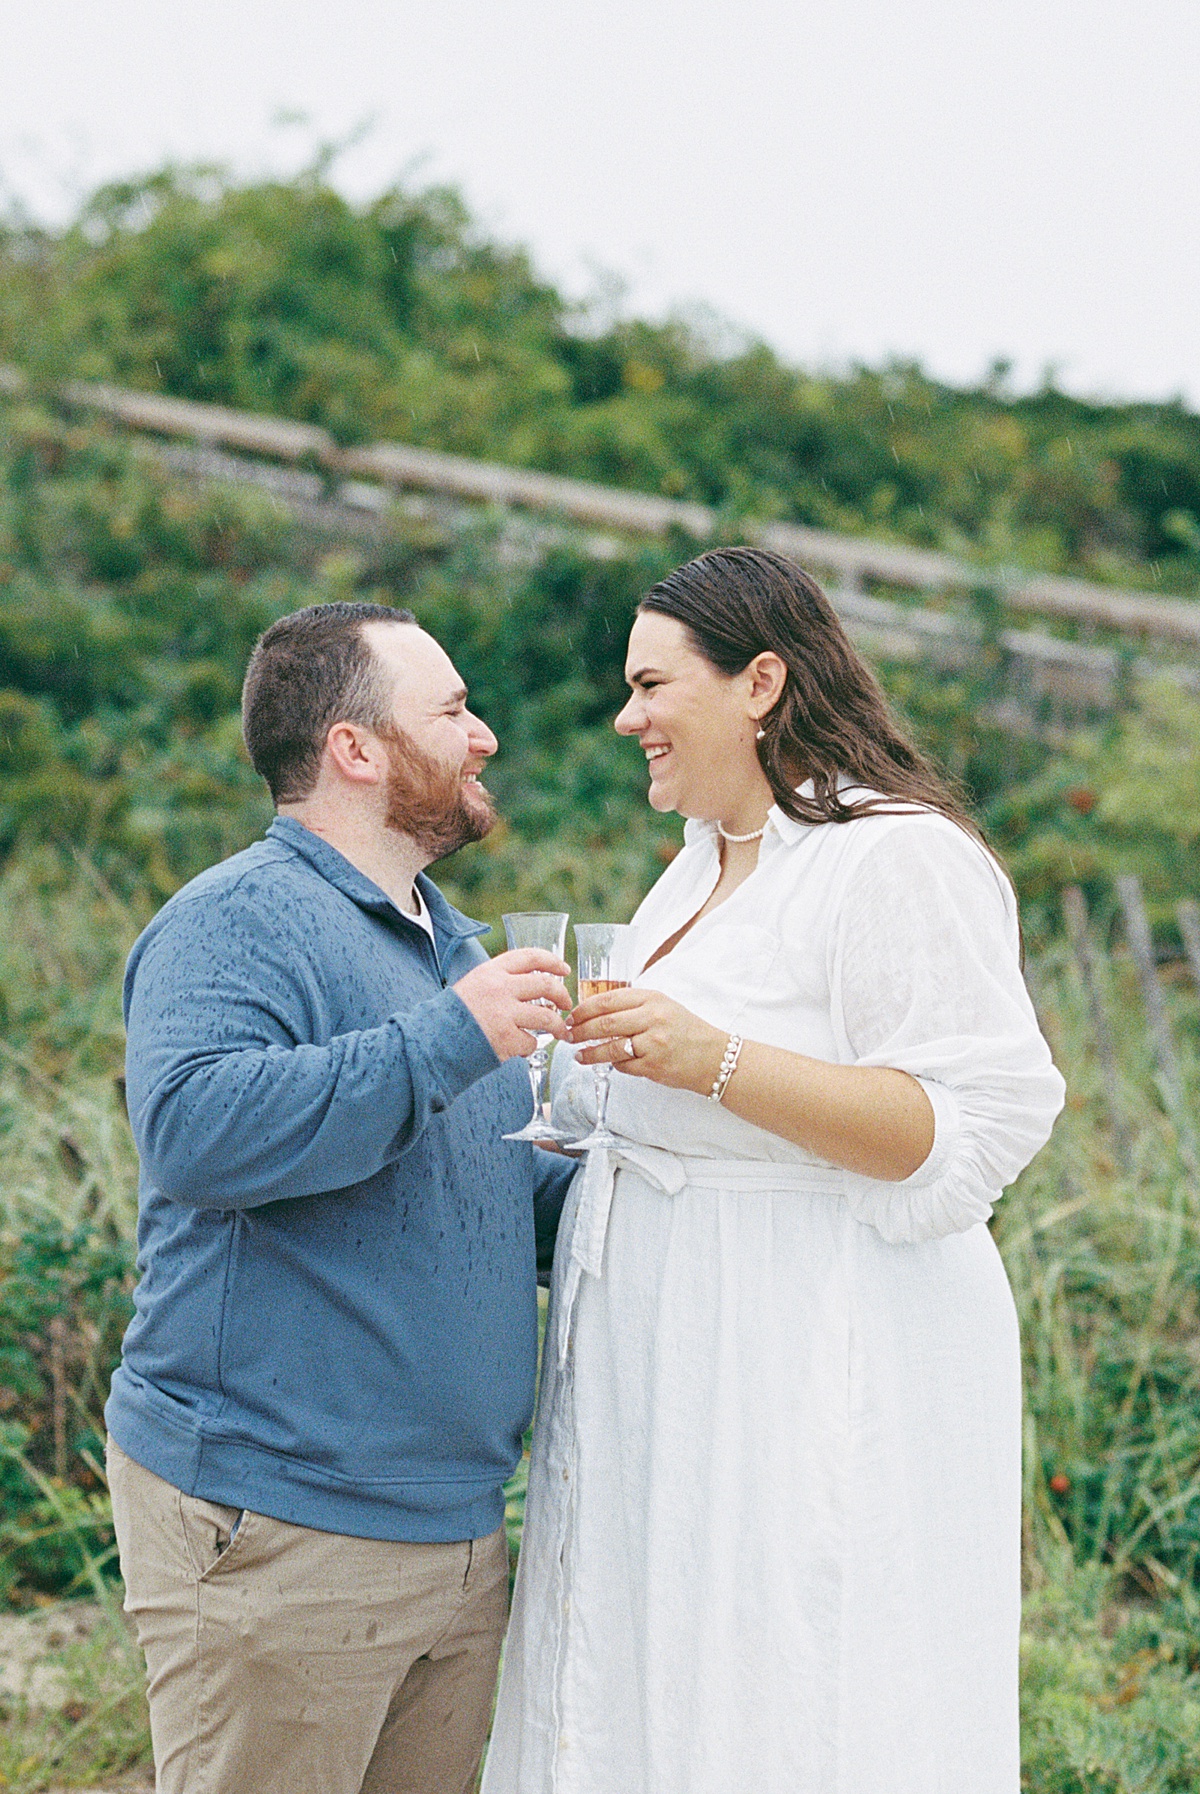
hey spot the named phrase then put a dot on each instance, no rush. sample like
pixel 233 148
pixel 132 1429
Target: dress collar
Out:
pixel 783 827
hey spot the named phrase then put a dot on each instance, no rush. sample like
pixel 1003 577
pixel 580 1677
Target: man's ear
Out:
pixel 355 753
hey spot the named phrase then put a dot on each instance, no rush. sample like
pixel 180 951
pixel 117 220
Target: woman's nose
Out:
pixel 628 720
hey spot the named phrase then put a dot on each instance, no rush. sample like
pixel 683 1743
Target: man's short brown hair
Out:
pixel 308 671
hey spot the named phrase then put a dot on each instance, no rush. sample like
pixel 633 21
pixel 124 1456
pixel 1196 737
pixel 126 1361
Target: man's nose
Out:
pixel 481 738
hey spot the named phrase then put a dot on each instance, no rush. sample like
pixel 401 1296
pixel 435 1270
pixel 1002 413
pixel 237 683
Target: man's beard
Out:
pixel 431 803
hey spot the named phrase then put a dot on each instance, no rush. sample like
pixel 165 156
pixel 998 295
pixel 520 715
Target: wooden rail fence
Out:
pixel 349 491
pixel 1089 958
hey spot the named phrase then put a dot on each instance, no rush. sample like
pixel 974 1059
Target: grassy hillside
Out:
pixel 129 599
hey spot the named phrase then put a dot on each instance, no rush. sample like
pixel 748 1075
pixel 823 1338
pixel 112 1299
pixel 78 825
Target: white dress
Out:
pixel 773 1522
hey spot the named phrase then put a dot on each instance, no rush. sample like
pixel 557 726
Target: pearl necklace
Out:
pixel 752 836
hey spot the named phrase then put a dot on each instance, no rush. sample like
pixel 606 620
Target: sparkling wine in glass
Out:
pixel 546 929
pixel 605 962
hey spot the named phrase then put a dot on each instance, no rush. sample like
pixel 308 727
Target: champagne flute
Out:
pixel 605 959
pixel 546 929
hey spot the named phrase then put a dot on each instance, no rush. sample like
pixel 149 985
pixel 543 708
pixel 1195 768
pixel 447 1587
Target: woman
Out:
pixel 773 1523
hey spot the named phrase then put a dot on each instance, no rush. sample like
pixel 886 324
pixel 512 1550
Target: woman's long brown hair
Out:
pixel 833 717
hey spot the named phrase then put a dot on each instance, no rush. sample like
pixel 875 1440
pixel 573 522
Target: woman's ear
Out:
pixel 768 676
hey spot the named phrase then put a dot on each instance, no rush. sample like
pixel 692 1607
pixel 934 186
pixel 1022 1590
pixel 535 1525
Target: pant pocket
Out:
pixel 210 1531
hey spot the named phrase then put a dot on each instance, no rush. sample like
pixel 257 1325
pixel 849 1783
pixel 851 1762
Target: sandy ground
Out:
pixel 26 1639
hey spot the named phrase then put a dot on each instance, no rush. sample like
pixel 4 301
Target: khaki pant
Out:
pixel 285 1661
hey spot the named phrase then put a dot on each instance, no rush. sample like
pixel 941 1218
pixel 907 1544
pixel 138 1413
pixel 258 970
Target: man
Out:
pixel 331 1364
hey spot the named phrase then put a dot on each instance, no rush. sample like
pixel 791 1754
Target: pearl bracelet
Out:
pixel 728 1067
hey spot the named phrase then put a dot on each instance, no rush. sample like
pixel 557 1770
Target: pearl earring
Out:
pixel 759 733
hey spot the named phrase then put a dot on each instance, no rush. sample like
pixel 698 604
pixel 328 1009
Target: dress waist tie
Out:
pixel 668 1172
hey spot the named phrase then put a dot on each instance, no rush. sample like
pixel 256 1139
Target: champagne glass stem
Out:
pixel 603 1077
pixel 537 1073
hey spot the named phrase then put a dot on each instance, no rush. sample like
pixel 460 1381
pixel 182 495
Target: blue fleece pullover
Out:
pixel 335 1319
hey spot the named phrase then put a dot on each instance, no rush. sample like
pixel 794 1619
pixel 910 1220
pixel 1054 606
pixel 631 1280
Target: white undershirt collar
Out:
pixel 422 918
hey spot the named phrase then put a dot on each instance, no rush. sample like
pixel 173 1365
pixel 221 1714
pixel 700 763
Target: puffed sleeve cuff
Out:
pixel 947 1131
pixel 939 1198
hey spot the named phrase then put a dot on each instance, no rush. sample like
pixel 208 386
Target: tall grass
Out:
pixel 1101 1238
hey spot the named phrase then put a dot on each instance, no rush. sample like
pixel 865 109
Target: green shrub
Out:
pixel 399 318
pixel 64 1305
pixel 1110 1698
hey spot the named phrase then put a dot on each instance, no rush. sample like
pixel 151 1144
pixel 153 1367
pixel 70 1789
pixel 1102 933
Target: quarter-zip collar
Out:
pixel 449 924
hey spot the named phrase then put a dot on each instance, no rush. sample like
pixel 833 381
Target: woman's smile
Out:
pixel 707 765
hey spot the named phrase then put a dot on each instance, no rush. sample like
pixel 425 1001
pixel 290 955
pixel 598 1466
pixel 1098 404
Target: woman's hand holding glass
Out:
pixel 669 1044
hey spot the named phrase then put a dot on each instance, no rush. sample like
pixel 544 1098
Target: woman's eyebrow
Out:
pixel 641 674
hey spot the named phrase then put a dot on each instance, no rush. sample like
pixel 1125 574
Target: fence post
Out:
pixel 1187 911
pixel 1076 917
pixel 1141 945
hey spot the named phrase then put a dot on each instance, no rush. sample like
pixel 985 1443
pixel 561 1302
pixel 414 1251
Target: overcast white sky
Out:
pixel 948 179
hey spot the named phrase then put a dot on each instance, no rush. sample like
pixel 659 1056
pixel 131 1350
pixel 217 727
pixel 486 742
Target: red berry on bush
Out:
pixel 1060 1482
